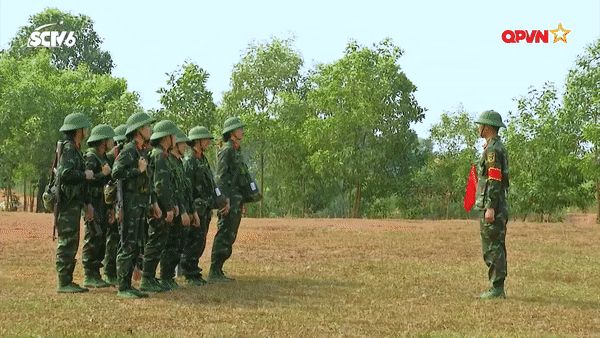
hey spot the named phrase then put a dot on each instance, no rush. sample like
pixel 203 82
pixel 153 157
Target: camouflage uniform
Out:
pixel 173 247
pixel 232 180
pixel 203 187
pixel 136 188
pixel 163 180
pixel 94 243
pixel 71 169
pixel 492 191
pixel 112 232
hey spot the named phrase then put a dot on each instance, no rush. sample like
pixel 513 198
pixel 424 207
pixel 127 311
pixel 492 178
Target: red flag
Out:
pixel 471 190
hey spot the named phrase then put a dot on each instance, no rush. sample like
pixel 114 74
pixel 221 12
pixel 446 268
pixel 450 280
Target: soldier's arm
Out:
pixel 493 164
pixel 92 164
pixel 162 183
pixel 222 179
pixel 125 166
pixel 69 173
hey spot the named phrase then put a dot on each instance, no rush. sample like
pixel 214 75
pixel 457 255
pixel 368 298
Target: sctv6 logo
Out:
pixel 51 39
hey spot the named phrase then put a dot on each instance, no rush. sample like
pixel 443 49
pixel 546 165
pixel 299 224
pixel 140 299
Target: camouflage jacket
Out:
pixel 94 162
pixel 232 172
pixel 113 153
pixel 202 181
pixel 71 168
pixel 126 169
pixel 163 179
pixel 492 170
pixel 183 186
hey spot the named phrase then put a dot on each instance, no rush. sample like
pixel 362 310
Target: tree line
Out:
pixel 333 140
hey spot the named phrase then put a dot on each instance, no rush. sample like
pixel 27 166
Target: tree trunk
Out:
pixel 262 181
pixel 24 194
pixel 39 205
pixel 356 207
pixel 598 200
pixel 31 196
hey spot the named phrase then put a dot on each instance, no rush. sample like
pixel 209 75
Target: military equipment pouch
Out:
pixel 110 192
pixel 49 197
pixel 251 193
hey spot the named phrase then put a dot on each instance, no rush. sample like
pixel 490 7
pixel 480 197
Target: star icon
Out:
pixel 562 36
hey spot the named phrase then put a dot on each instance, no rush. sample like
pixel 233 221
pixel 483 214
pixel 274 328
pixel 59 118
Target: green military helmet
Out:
pixel 120 133
pixel 232 124
pixel 136 121
pixel 101 132
pixel 491 118
pixel 181 137
pixel 162 129
pixel 199 133
pixel 75 121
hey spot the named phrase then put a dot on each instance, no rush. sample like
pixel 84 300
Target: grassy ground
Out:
pixel 326 278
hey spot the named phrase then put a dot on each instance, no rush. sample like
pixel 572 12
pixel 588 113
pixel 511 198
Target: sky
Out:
pixel 454 52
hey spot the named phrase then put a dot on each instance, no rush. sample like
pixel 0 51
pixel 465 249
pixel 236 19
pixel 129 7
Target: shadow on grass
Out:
pixel 258 291
pixel 574 303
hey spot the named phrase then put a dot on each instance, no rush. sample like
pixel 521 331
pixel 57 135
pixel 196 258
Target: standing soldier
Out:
pixel 205 198
pixel 72 177
pixel 492 190
pixel 163 139
pixel 233 180
pixel 112 233
pixel 134 181
pixel 172 252
pixel 94 242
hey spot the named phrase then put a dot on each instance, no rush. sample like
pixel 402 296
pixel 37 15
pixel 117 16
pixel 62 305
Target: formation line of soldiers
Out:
pixel 145 203
pixel 164 202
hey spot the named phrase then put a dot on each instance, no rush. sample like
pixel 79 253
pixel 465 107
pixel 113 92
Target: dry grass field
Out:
pixel 326 277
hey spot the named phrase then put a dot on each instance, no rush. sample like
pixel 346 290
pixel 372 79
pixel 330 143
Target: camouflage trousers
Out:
pixel 194 243
pixel 493 236
pixel 67 226
pixel 131 238
pixel 171 253
pixel 227 229
pixel 158 232
pixel 94 240
pixel 112 246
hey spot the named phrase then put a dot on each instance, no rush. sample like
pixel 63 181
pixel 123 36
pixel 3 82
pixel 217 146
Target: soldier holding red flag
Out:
pixel 491 200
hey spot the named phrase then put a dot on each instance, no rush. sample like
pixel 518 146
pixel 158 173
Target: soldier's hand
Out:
pixel 89 174
pixel 196 218
pixel 89 213
pixel 156 210
pixel 142 164
pixel 490 215
pixel 185 219
pixel 106 169
pixel 169 216
pixel 226 208
pixel 111 216
pixel 176 210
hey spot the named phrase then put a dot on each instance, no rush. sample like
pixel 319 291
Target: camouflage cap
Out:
pixel 198 133
pixel 120 133
pixel 232 124
pixel 163 128
pixel 136 121
pixel 101 132
pixel 75 121
pixel 490 118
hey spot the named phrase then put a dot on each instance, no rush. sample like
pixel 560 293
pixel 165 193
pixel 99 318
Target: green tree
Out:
pixel 543 145
pixel 86 49
pixel 445 173
pixel 186 100
pixel 362 107
pixel 259 82
pixel 35 97
pixel 582 101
